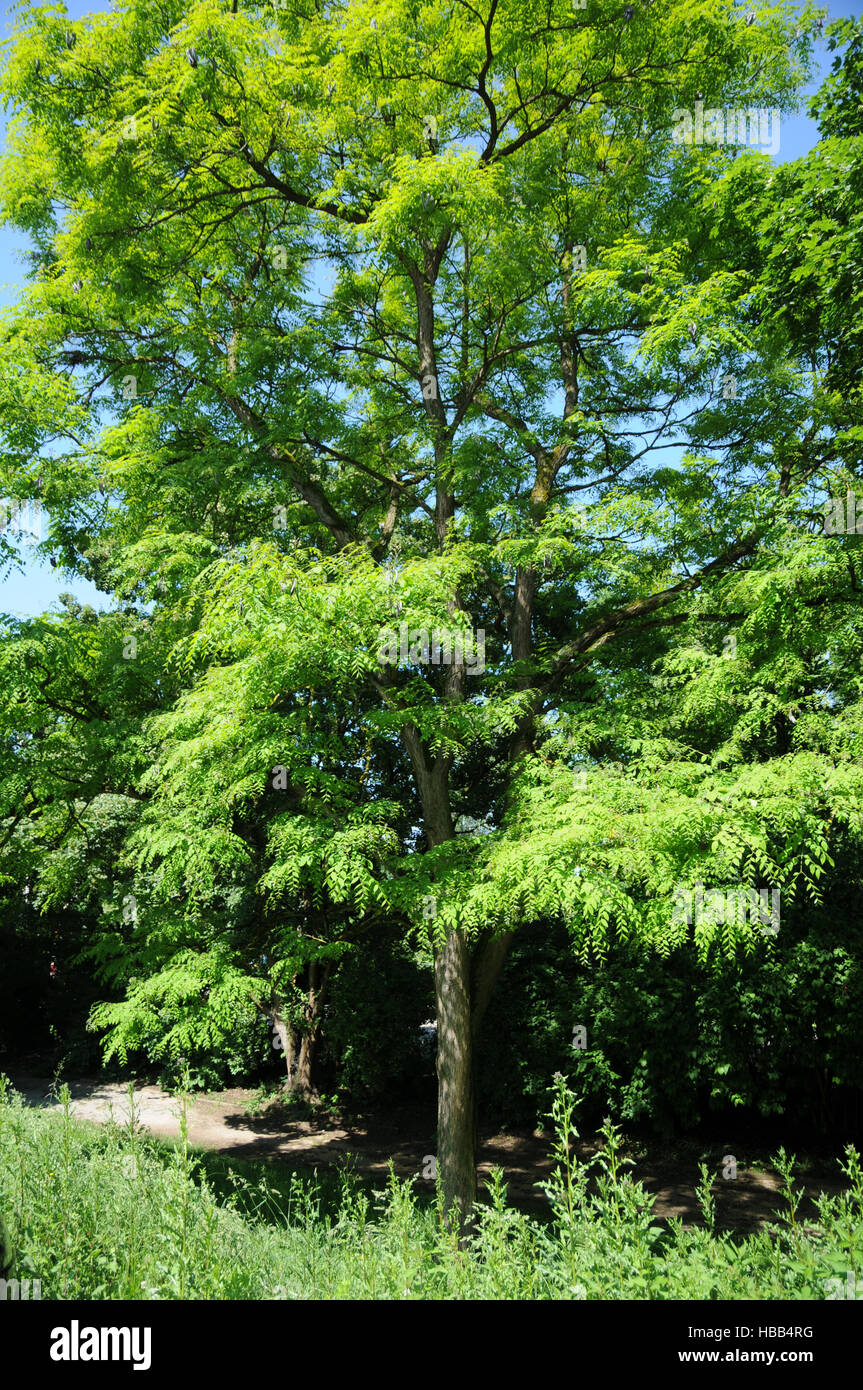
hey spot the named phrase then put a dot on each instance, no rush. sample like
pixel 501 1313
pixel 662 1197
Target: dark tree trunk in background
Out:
pixel 300 1044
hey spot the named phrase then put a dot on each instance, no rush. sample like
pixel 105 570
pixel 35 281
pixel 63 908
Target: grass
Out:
pixel 107 1212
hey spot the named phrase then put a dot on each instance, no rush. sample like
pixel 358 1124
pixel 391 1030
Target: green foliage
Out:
pixel 671 1043
pixel 106 1213
pixel 371 1033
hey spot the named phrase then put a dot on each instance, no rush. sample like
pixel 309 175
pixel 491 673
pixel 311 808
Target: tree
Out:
pixel 71 754
pixel 385 331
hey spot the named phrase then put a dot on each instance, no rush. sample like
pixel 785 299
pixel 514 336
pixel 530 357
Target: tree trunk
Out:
pixel 302 1082
pixel 286 1041
pixel 300 1045
pixel 456 1130
pixel 456 1141
pixel 488 963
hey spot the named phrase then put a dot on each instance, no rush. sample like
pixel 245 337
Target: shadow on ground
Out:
pixel 221 1122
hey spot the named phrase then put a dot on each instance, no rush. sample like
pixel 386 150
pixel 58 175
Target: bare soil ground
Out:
pixel 221 1121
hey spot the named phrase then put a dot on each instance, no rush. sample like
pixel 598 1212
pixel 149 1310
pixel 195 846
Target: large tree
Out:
pixel 346 317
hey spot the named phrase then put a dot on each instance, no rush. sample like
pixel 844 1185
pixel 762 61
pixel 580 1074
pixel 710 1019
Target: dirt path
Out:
pixel 221 1121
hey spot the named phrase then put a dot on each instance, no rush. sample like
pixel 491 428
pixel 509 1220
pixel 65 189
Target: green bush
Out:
pixel 371 1038
pixel 40 1012
pixel 668 1043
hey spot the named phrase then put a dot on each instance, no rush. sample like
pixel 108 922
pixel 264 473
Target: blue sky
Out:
pixel 36 588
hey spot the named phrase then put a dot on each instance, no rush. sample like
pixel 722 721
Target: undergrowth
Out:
pixel 109 1212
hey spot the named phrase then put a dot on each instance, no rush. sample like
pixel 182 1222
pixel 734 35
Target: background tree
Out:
pixel 72 750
